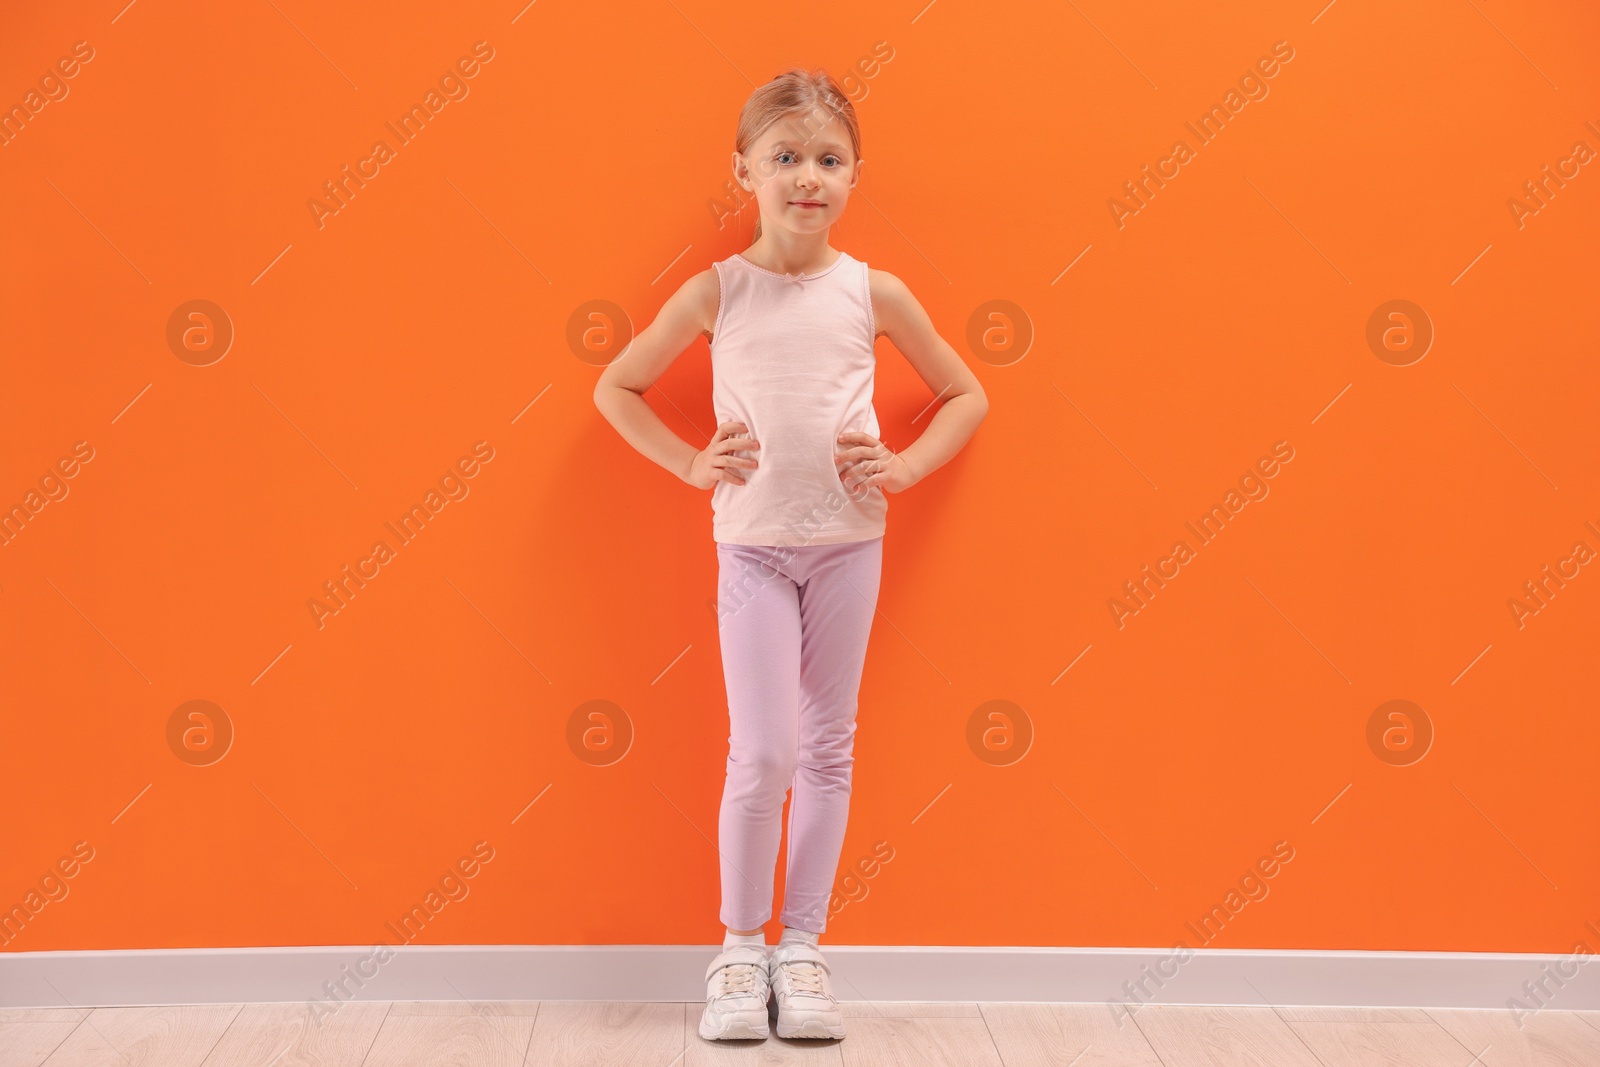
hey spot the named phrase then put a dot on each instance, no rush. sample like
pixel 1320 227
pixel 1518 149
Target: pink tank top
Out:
pixel 792 357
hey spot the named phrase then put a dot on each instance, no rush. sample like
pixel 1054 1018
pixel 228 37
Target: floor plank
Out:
pixel 1544 1039
pixel 1224 1037
pixel 1292 1012
pixel 29 1035
pixel 1341 1038
pixel 908 1009
pixel 466 1007
pixel 921 1041
pixel 288 1035
pixel 1084 1035
pixel 570 1033
pixel 451 1041
pixel 145 1037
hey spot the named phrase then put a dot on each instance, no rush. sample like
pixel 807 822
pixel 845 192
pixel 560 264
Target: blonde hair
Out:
pixel 796 92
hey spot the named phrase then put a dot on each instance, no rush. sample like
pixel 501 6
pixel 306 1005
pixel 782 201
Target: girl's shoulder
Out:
pixel 889 297
pixel 705 289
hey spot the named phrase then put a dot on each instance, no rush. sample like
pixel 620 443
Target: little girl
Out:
pixel 798 477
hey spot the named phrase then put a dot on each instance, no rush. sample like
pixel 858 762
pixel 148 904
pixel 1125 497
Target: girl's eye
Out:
pixel 781 156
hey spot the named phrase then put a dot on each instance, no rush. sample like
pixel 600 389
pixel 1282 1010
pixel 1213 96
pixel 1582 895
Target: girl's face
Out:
pixel 801 173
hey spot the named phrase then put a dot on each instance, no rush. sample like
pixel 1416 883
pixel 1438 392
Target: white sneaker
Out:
pixel 738 987
pixel 806 1007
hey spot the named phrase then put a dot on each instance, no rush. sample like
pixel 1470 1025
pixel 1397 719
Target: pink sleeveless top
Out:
pixel 792 357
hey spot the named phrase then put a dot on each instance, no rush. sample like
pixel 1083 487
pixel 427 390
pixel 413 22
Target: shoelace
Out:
pixel 804 976
pixel 738 978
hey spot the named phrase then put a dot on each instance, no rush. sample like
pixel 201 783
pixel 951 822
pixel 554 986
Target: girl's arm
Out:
pixel 901 318
pixel 619 394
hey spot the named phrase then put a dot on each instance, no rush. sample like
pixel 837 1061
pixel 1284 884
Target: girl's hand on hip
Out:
pixel 869 462
pixel 716 462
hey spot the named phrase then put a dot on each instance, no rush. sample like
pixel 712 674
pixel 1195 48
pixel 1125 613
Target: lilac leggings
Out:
pixel 794 624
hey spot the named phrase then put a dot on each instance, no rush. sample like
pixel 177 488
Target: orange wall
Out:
pixel 425 324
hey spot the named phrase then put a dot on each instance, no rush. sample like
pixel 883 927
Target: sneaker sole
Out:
pixel 736 1027
pixel 811 1024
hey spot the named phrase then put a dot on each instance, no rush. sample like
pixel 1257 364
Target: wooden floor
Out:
pixel 663 1035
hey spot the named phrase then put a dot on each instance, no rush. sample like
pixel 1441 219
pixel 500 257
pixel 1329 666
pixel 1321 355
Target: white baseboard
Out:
pixel 861 973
